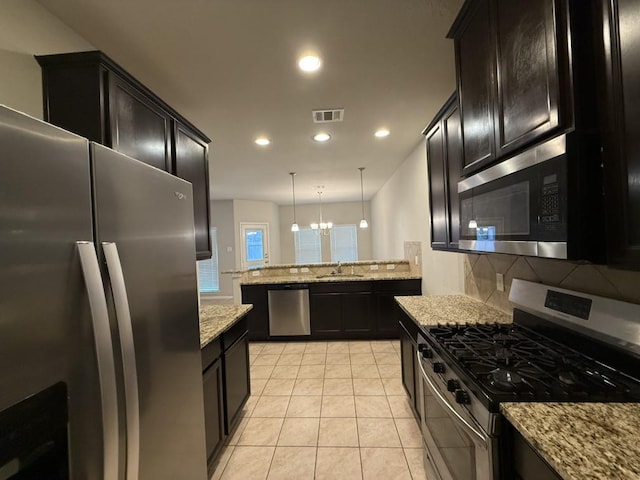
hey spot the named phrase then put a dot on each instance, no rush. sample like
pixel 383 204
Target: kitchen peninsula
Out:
pixel 353 300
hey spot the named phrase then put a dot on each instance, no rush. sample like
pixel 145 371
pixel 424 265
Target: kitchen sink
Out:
pixel 340 275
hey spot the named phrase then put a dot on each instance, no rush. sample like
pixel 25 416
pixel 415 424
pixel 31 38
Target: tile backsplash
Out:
pixel 480 277
pixel 413 253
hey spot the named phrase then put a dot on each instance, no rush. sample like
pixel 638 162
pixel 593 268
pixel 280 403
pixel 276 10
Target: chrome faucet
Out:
pixel 339 267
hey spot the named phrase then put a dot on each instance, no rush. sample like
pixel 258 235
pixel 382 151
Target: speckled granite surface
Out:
pixel 431 310
pixel 215 319
pixel 263 279
pixel 582 441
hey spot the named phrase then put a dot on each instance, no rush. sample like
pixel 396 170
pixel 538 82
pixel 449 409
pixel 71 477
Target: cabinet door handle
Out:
pixel 104 354
pixel 128 352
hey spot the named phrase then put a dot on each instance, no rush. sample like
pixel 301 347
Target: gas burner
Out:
pixel 504 355
pixel 506 380
pixel 505 338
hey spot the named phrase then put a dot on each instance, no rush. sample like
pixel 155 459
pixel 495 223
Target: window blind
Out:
pixel 344 243
pixel 208 274
pixel 308 247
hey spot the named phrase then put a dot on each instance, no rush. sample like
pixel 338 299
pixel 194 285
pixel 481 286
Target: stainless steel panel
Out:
pixel 128 356
pixel 552 250
pixel 466 424
pixel 47 335
pixel 149 214
pixel 104 353
pixel 612 321
pixel 515 248
pixel 289 312
pixel 530 248
pixel 541 153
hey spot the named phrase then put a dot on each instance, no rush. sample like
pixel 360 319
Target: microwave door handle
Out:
pixel 104 355
pixel 470 429
pixel 127 350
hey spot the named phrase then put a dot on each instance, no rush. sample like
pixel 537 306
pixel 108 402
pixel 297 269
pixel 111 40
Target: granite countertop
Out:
pixel 432 310
pixel 216 319
pixel 582 441
pixel 311 278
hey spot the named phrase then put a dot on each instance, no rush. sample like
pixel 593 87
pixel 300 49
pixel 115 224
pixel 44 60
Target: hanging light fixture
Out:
pixel 363 222
pixel 323 226
pixel 294 225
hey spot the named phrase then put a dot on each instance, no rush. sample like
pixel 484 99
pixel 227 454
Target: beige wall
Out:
pixel 222 220
pixel 251 211
pixel 345 213
pixel 400 213
pixel 28 29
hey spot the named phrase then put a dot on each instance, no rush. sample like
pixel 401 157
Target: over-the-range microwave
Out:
pixel 543 202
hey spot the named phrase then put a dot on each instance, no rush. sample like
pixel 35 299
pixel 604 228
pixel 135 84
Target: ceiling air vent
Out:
pixel 326 116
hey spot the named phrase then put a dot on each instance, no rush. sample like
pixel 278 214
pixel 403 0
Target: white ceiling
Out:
pixel 229 66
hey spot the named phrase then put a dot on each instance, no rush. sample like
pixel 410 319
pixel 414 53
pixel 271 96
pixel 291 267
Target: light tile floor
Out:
pixel 325 410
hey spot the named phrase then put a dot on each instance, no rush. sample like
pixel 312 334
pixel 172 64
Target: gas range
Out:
pixel 511 363
pixel 562 346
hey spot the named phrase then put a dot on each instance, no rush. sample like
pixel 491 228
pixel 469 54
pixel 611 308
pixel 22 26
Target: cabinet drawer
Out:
pixel 341 287
pixel 234 333
pixel 399 286
pixel 210 353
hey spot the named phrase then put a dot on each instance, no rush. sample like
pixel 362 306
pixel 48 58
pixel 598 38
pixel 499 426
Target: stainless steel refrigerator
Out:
pixel 99 334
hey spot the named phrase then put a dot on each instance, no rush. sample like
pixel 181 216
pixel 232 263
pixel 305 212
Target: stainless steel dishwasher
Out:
pixel 289 310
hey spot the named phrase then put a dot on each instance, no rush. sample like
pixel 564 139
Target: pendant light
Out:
pixel 294 225
pixel 363 222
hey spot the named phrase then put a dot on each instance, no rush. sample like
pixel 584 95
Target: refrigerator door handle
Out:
pixel 127 349
pixel 104 354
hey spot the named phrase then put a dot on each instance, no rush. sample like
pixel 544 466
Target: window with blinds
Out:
pixel 308 246
pixel 344 243
pixel 208 274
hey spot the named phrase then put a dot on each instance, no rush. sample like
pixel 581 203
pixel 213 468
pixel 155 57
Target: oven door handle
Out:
pixel 470 429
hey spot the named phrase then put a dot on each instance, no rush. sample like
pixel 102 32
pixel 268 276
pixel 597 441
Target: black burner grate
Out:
pixel 510 362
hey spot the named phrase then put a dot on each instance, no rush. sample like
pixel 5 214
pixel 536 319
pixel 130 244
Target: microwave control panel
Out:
pixel 550 211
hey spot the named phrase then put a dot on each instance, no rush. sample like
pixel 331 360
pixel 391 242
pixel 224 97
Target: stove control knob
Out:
pixel 453 385
pixel 462 396
pixel 438 367
pixel 425 351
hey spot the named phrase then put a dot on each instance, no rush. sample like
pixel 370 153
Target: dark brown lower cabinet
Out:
pixel 388 312
pixel 349 310
pixel 226 385
pixel 258 316
pixel 213 410
pixel 326 314
pixel 237 389
pixel 357 311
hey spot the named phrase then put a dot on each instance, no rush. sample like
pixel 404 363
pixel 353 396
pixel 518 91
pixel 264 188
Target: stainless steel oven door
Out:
pixel 457 447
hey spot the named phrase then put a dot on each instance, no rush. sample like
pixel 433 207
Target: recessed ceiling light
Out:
pixel 321 137
pixel 381 133
pixel 309 63
pixel 262 141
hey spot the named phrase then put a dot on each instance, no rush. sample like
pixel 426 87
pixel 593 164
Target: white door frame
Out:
pixel 245 265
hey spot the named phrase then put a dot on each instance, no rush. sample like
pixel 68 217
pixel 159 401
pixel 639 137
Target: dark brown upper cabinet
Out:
pixel 444 161
pixel 476 78
pixel 92 96
pixel 510 63
pixel 528 104
pixel 191 164
pixel 620 107
pixel 138 127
